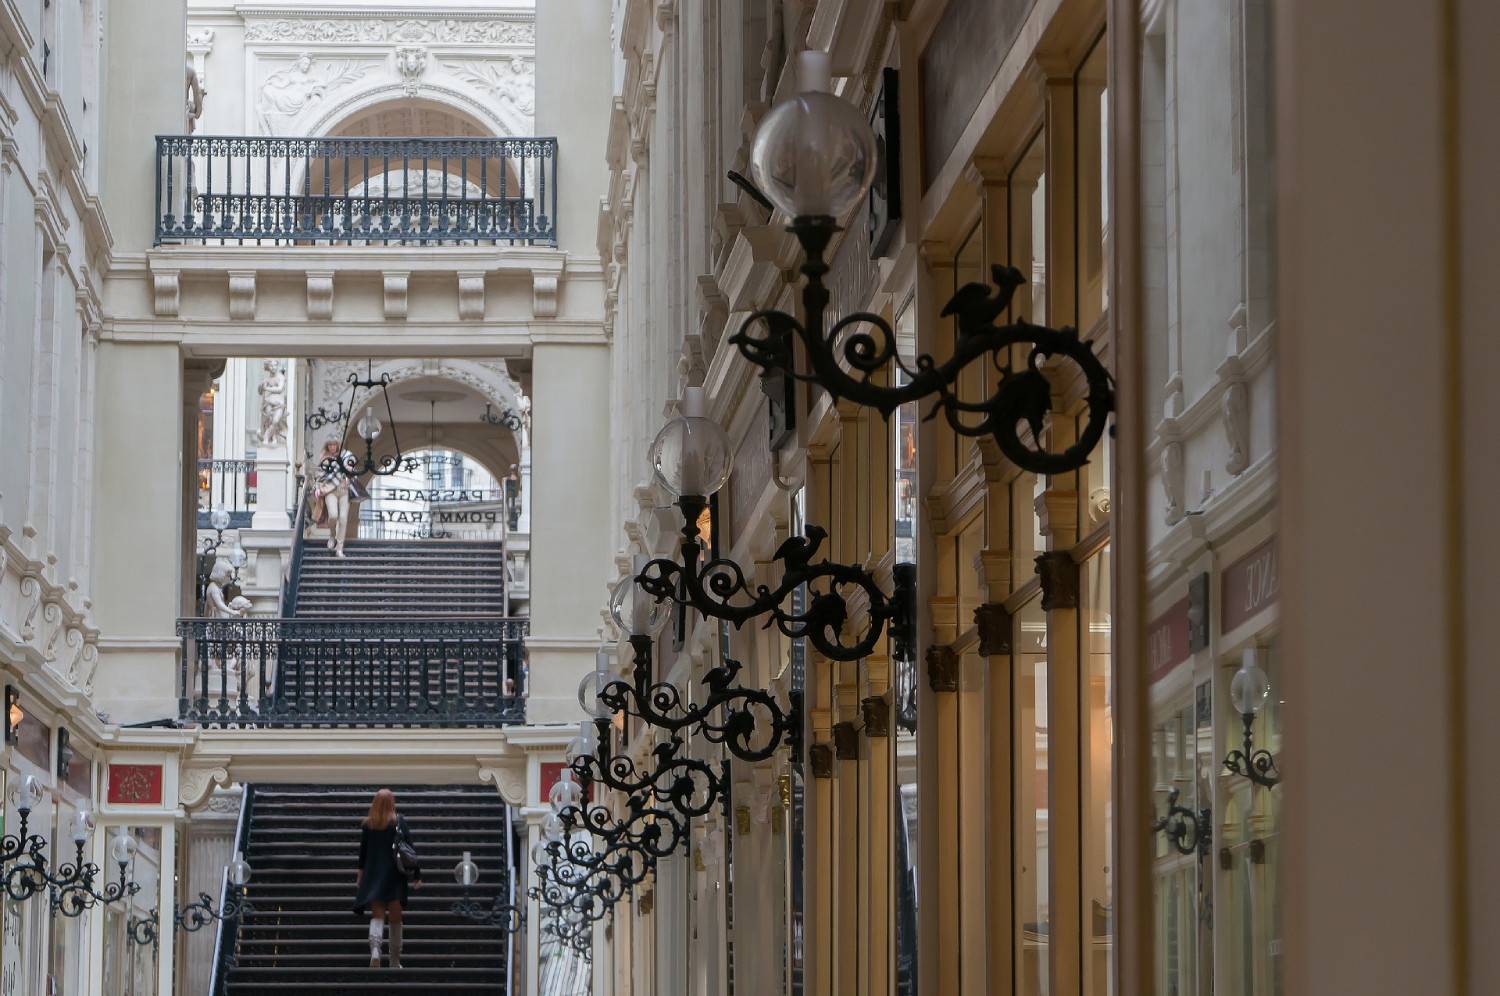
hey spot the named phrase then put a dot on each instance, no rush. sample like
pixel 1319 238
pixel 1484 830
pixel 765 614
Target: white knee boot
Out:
pixel 395 945
pixel 375 933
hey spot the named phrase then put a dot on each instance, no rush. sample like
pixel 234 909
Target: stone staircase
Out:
pixel 303 937
pixel 402 579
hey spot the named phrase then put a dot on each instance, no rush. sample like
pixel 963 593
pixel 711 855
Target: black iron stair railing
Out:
pixel 228 189
pixel 351 672
pixel 227 934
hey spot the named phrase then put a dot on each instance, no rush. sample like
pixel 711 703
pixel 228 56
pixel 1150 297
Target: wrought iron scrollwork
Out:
pixel 846 359
pixel 718 588
pixel 496 913
pixel 688 786
pixel 507 418
pixel 321 417
pixel 384 465
pixel 1186 830
pixel 749 722
pixel 1257 765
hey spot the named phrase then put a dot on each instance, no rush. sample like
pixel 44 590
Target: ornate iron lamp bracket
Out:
pixel 1186 830
pixel 717 589
pixel 846 358
pixel 1257 765
pixel 730 714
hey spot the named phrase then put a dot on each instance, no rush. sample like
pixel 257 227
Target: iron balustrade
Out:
pixel 352 673
pixel 230 483
pixel 225 189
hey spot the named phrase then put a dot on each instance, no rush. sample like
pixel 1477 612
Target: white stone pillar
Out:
pixel 272 471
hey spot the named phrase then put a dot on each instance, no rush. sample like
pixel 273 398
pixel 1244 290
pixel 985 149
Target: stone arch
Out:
pixel 498 119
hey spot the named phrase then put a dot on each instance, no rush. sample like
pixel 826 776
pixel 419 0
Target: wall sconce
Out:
pixel 13 714
pixel 1249 691
pixel 1187 831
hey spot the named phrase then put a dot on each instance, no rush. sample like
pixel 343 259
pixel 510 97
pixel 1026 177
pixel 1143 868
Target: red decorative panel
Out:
pixel 551 773
pixel 135 784
pixel 1167 640
pixel 1249 585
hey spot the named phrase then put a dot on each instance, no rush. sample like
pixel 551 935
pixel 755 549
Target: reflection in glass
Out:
pixel 1097 730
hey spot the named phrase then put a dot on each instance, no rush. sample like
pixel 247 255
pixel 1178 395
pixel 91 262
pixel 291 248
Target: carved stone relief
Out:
pixel 411 63
pixel 1235 408
pixel 288 92
pixel 345 30
pixel 273 405
pixel 1173 481
pixel 513 82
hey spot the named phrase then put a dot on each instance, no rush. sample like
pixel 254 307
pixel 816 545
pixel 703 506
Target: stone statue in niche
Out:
pixel 286 93
pixel 1235 407
pixel 273 405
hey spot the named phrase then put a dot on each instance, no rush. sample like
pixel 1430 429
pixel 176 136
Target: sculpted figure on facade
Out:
pixel 1172 481
pixel 273 405
pixel 411 62
pixel 512 83
pixel 287 92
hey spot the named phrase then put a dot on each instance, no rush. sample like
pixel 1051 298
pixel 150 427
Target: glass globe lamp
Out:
pixel 634 611
pixel 691 454
pixel 238 870
pixel 565 792
pixel 122 849
pixel 236 556
pixel 29 794
pixel 814 155
pixel 83 825
pixel 368 426
pixel 466 872
pixel 219 517
pixel 1250 688
pixel 539 852
pixel 552 829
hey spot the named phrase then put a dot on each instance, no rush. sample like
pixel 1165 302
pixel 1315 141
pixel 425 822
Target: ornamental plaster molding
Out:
pixel 394 283
pixel 167 292
pixel 242 295
pixel 287 93
pixel 513 84
pixel 320 294
pixel 544 295
pixel 1173 481
pixel 1235 407
pixel 364 27
pixel 411 63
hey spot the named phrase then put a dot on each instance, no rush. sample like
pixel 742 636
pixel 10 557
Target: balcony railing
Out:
pixel 328 673
pixel 230 483
pixel 354 191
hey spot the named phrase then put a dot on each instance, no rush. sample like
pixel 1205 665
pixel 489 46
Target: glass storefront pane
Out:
pixel 1092 116
pixel 1097 752
pixel 1033 907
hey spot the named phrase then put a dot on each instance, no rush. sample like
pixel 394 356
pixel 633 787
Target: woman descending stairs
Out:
pixel 304 938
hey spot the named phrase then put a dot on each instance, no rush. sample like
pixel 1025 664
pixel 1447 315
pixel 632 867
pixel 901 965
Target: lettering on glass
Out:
pixel 1250 585
pixel 1167 640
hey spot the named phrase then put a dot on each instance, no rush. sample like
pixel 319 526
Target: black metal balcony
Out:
pixel 226 190
pixel 352 673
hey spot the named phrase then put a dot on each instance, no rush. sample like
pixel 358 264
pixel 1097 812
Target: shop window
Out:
pixel 1027 237
pixel 1033 923
pixel 1182 754
pixel 1092 116
pixel 1097 752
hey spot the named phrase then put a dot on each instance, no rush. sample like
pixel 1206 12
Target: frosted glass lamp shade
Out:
pixel 122 849
pixel 565 792
pixel 29 793
pixel 1249 689
pixel 466 872
pixel 236 556
pixel 239 870
pixel 634 611
pixel 369 425
pixel 219 517
pixel 552 828
pixel 83 825
pixel 691 454
pixel 814 155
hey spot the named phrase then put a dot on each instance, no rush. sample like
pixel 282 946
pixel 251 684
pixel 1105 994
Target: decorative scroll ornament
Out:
pixel 369 428
pixel 719 589
pixel 1257 765
pixel 850 359
pixel 749 722
pixel 1186 830
pixel 498 913
pixel 687 786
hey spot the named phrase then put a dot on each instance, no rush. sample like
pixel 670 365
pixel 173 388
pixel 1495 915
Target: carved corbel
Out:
pixel 31 587
pixel 820 759
pixel 167 287
pixel 875 711
pixel 394 283
pixel 196 784
pixel 942 669
pixel 544 295
pixel 242 295
pixel 471 296
pixel 845 741
pixel 320 295
pixel 994 625
pixel 1059 574
pixel 508 781
pixel 1234 406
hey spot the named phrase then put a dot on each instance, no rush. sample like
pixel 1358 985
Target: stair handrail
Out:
pixel 226 933
pixel 294 568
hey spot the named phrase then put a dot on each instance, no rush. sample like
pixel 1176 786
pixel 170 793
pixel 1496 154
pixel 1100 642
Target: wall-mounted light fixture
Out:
pixel 814 157
pixel 65 753
pixel 1249 691
pixel 1186 830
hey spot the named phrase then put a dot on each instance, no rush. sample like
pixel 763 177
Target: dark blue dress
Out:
pixel 382 881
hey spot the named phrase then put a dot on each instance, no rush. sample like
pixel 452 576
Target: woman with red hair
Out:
pixel 381 884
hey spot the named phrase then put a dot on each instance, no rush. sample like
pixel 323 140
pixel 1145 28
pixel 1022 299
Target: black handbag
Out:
pixel 403 853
